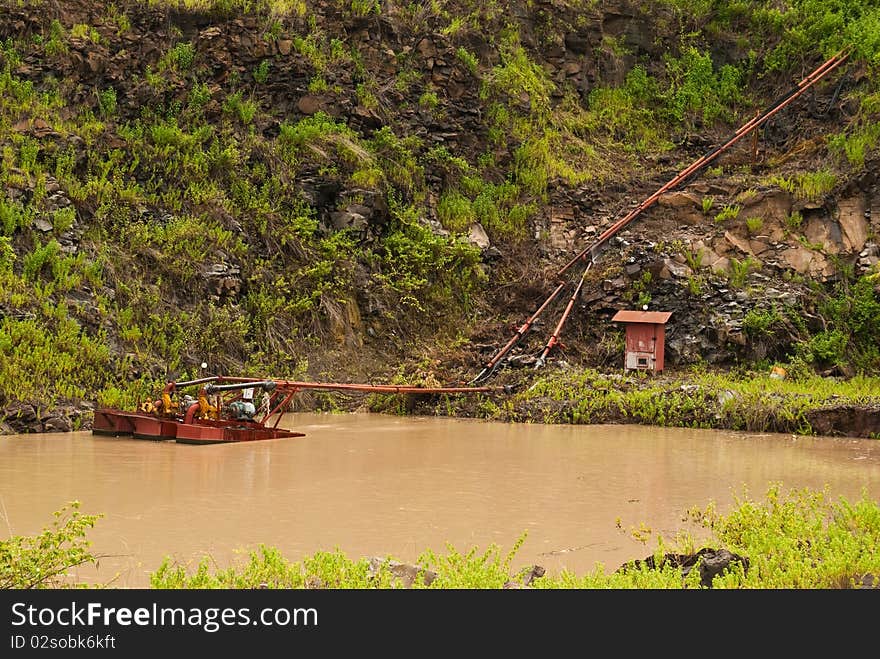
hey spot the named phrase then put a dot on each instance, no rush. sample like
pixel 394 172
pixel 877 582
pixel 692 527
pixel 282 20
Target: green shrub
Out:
pixel 696 90
pixel 7 255
pixel 468 59
pixel 754 224
pixel 41 259
pixel 794 220
pixel 628 112
pixel 517 77
pixel 853 313
pixel 740 269
pixel 729 212
pixel 455 211
pixel 199 95
pixel 760 322
pixel 243 109
pixel 107 102
pixel 829 347
pixel 814 185
pixel 13 216
pixel 857 143
pixel 261 72
pixel 429 100
pixel 180 57
pixel 44 560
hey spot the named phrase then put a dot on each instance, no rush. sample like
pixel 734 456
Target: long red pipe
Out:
pixel 378 388
pixel 517 337
pixel 827 66
pixel 554 338
pixel 701 162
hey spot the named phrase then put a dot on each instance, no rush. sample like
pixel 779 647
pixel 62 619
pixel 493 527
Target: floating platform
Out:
pixel 228 410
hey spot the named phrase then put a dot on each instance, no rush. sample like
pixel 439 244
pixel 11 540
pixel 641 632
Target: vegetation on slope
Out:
pixel 169 199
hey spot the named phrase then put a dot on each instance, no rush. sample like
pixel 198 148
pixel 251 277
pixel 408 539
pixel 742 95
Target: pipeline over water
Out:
pixel 296 385
pixel 589 254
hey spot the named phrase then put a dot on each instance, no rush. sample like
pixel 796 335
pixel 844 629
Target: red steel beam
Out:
pixel 297 385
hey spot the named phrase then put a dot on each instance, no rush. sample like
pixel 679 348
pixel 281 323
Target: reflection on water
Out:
pixel 377 485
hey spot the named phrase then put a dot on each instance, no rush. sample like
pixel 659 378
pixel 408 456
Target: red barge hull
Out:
pixel 117 423
pixel 120 423
pixel 208 431
pixel 226 411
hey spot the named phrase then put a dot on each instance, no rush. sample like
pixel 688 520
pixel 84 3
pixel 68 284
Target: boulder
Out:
pixel 709 562
pixel 405 574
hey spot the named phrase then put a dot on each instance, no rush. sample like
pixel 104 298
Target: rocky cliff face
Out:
pixel 781 260
pixel 747 236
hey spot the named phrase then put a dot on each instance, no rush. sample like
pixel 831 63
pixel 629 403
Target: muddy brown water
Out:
pixel 378 485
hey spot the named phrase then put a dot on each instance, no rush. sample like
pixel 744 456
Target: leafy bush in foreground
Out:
pixel 794 540
pixel 43 560
pixel 798 540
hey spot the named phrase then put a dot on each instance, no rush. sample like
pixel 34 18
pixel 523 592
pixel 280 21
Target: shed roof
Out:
pixel 654 317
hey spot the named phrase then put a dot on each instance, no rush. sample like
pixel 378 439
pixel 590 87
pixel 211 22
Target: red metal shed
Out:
pixel 645 334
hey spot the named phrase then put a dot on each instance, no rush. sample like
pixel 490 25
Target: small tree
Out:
pixel 43 560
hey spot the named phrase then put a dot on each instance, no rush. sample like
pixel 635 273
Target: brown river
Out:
pixel 378 485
